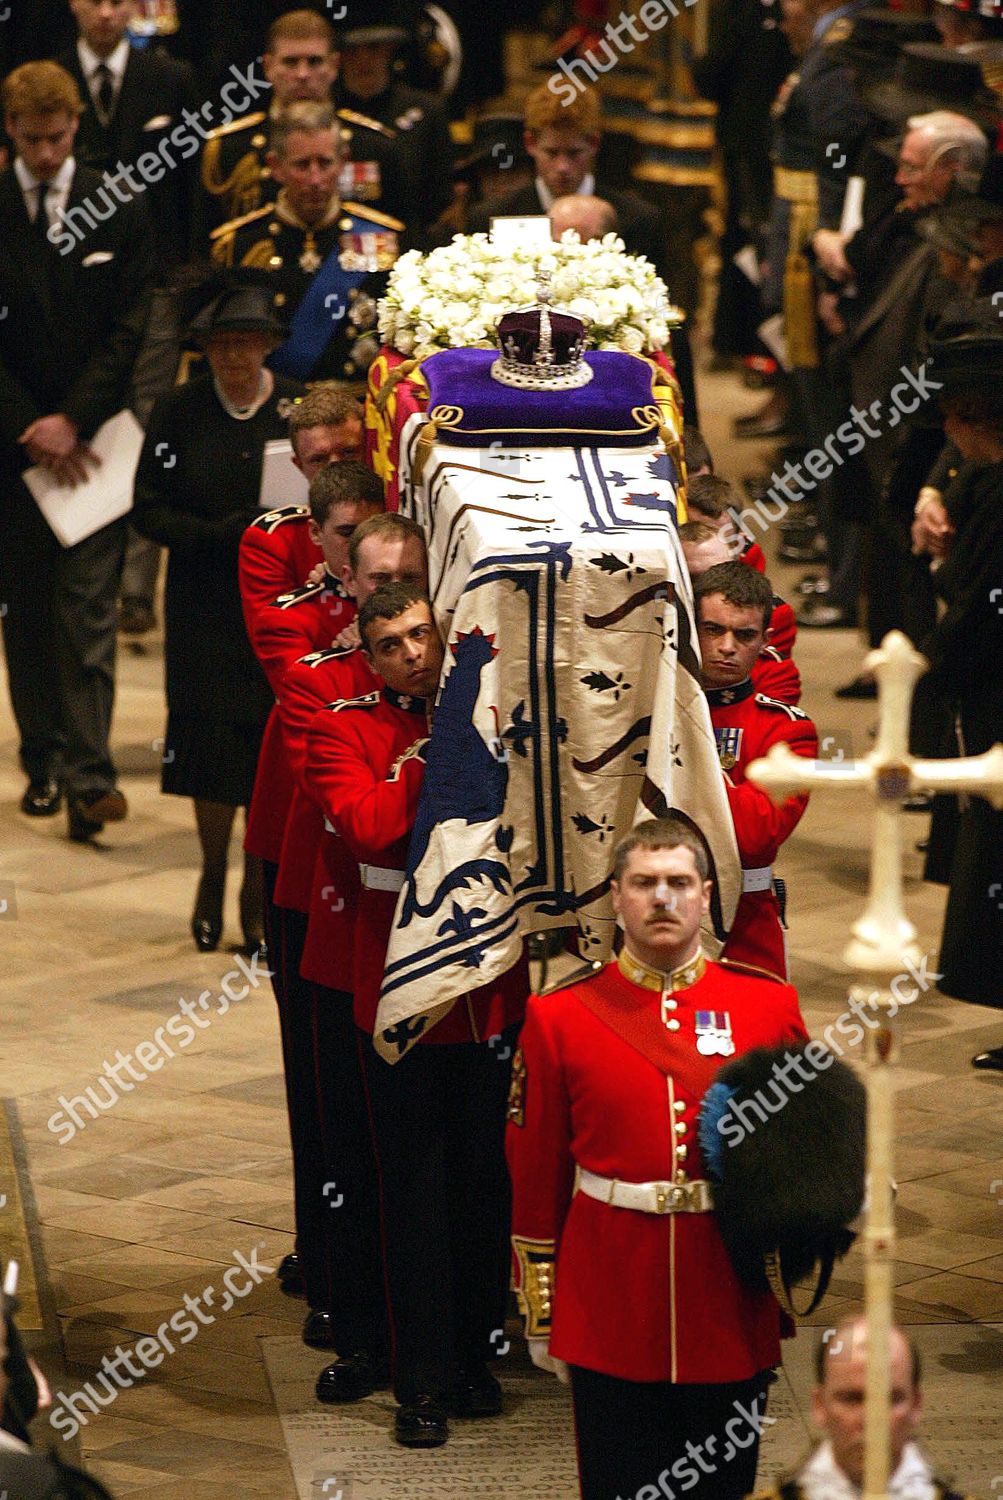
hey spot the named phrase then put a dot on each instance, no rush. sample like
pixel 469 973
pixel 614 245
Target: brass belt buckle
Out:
pixel 661 1198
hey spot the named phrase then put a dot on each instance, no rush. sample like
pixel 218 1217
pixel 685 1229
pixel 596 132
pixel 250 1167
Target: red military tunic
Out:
pixel 776 676
pixel 746 724
pixel 295 625
pixel 276 554
pixel 332 881
pixel 640 1296
pixel 753 555
pixel 783 627
pixel 365 766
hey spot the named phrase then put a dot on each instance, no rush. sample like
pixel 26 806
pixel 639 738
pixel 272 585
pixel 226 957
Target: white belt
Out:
pixel 757 880
pixel 648 1197
pixel 376 878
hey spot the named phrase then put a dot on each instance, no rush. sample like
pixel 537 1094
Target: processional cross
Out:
pixel 883 942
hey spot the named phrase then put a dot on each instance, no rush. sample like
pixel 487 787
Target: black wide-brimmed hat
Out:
pixel 983 203
pixel 369 22
pixel 230 302
pixel 929 77
pixel 966 351
pixel 878 36
pixel 497 145
pixel 985 10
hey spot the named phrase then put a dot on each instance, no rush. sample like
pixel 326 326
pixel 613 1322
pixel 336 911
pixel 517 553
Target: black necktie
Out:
pixel 40 222
pixel 106 92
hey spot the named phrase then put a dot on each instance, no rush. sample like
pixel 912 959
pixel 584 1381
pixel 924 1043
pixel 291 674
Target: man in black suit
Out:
pixel 563 140
pixel 133 100
pixel 75 302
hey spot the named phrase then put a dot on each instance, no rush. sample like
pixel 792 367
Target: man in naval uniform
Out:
pixel 300 63
pixel 414 120
pixel 620 1268
pixel 327 258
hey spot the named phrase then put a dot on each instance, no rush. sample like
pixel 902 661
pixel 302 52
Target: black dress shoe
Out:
pixel 812 585
pixel 290 1275
pixel 207 932
pixel 825 617
pixel 207 918
pixel 859 687
pixel 318 1330
pixel 421 1423
pixel 803 552
pixel 760 427
pixel 990 1061
pixel 476 1394
pixel 42 798
pixel 88 814
pixel 352 1378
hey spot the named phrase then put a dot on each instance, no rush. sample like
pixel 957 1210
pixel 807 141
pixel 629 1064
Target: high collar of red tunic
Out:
pixel 682 978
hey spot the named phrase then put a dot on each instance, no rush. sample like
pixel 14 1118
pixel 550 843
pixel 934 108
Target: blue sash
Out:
pixel 316 319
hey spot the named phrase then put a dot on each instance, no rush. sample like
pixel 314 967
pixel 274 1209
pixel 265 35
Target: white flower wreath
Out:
pixel 453 297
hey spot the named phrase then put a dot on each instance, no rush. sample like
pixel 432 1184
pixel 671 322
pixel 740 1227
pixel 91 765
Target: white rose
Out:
pixel 631 340
pixel 404 342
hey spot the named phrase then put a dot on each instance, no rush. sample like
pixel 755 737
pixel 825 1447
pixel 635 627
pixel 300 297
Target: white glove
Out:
pixel 539 1353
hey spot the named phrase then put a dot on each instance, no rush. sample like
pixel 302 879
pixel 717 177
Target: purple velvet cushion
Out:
pixel 617 409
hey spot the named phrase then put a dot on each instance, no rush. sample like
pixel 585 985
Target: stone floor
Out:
pixel 183 1172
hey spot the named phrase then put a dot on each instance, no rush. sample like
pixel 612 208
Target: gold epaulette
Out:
pixel 352 117
pixel 753 971
pixel 583 971
pixel 364 212
pixel 243 124
pixel 841 30
pixel 232 225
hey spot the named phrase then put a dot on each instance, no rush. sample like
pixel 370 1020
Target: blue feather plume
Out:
pixel 715 1106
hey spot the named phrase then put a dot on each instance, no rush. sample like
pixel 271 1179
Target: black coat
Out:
pixel 965 651
pixel 74 322
pixel 638 222
pixel 199 505
pixel 155 89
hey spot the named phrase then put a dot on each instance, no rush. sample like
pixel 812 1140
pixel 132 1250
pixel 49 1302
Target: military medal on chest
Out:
pixel 713 1029
pixel 729 745
pixel 310 259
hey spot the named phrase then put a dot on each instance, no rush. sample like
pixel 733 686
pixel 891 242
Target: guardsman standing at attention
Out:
pixel 300 62
pixel 620 1267
pixel 327 259
pixel 733 605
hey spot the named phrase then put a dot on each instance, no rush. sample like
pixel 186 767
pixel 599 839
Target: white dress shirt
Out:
pixel 821 1478
pixel 115 63
pixel 546 197
pixel 59 189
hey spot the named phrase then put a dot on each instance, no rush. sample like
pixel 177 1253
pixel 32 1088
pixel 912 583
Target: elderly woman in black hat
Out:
pixel 966 647
pixel 197 489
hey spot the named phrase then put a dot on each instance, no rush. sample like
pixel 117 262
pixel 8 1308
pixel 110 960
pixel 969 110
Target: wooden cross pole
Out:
pixel 883 944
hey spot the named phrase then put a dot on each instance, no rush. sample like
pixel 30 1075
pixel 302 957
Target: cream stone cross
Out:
pixel 883 943
pixel 883 937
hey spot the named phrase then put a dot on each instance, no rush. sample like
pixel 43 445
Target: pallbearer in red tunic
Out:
pixel 439 1112
pixel 773 672
pixel 301 620
pixel 733 603
pixel 277 554
pixel 620 1269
